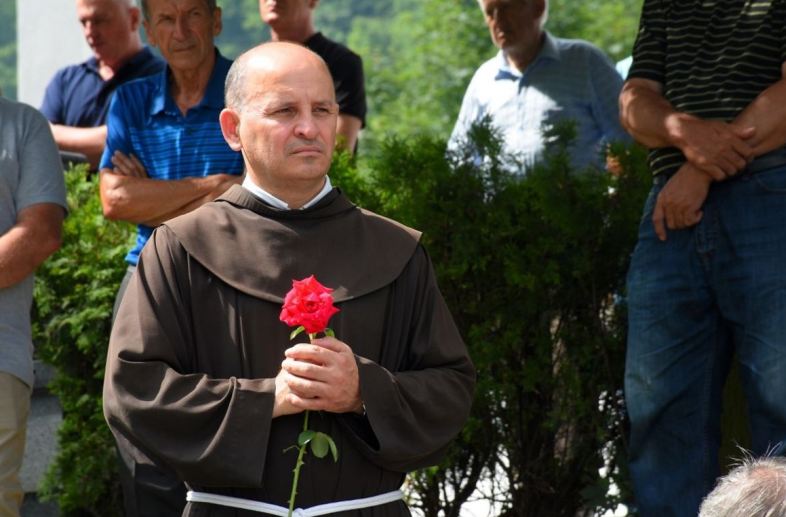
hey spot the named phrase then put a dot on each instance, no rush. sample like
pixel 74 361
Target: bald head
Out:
pixel 269 61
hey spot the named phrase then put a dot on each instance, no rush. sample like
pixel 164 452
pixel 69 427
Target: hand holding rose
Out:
pixel 323 376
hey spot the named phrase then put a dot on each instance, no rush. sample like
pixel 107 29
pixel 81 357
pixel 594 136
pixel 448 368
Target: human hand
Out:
pixel 128 165
pixel 281 404
pixel 221 183
pixel 679 202
pixel 322 375
pixel 717 148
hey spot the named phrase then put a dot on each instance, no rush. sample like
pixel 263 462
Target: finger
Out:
pixel 308 352
pixel 715 172
pixel 311 404
pixel 303 369
pixel 657 220
pixel 139 168
pixel 331 343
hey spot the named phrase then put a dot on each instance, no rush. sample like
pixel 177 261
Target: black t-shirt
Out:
pixel 346 68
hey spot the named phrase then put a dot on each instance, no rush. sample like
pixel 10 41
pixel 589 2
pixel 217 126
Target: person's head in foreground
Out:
pixel 754 488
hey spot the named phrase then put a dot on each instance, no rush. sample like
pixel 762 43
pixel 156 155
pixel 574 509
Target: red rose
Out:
pixel 309 304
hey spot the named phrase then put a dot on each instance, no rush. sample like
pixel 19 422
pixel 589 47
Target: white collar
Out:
pixel 275 202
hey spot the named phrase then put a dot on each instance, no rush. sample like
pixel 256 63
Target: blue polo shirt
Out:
pixel 78 96
pixel 145 121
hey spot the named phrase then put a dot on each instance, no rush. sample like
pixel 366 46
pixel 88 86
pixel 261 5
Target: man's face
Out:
pixel 183 30
pixel 287 126
pixel 108 26
pixel 283 14
pixel 514 24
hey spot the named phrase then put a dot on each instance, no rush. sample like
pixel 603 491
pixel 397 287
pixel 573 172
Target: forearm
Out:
pixel 86 140
pixel 647 115
pixel 151 202
pixel 347 129
pixel 28 243
pixel 767 113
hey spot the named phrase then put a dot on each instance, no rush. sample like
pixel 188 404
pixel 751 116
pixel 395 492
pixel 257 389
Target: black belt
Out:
pixel 771 160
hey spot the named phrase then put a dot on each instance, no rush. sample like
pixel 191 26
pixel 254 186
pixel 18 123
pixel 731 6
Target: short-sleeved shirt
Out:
pixel 78 96
pixel 30 173
pixel 346 69
pixel 568 80
pixel 145 121
pixel 713 59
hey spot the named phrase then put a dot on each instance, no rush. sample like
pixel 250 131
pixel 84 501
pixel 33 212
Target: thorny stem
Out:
pixel 300 453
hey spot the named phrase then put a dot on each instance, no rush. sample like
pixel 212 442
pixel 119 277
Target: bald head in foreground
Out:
pixel 202 375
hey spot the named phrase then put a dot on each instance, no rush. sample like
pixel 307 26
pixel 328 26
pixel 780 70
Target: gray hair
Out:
pixel 754 488
pixel 543 18
pixel 211 5
pixel 234 96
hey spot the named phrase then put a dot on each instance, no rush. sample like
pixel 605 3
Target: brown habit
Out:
pixel 197 344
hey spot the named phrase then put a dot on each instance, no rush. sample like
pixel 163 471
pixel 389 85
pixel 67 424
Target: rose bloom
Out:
pixel 309 304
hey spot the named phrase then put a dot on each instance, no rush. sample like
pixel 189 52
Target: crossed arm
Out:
pixel 34 237
pixel 714 150
pixel 86 140
pixel 129 194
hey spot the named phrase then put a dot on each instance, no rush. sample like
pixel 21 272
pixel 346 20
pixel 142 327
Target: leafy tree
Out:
pixel 8 49
pixel 74 294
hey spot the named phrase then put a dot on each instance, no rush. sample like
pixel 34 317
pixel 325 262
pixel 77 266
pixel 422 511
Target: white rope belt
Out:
pixel 274 509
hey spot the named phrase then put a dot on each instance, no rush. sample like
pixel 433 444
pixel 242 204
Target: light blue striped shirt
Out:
pixel 569 79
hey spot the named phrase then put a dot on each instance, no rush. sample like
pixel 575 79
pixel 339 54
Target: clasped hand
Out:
pixel 321 375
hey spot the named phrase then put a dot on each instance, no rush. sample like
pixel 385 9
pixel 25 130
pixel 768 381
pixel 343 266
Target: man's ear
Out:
pixel 135 16
pixel 312 4
pixel 149 33
pixel 230 124
pixel 218 24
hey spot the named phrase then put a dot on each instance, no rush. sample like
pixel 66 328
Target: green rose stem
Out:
pixel 299 463
pixel 320 443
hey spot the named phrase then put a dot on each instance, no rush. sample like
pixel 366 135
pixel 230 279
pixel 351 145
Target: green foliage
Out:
pixel 8 49
pixel 532 269
pixel 74 294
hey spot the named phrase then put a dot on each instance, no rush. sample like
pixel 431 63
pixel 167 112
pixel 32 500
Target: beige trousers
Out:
pixel 14 409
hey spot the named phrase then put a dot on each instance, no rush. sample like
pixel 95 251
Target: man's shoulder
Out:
pixel 390 226
pixel 331 50
pixel 579 49
pixel 138 92
pixel 18 115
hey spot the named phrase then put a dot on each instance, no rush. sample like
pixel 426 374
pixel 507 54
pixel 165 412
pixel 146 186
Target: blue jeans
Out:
pixel 707 292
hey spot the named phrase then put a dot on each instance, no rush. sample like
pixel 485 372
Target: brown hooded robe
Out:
pixel 197 344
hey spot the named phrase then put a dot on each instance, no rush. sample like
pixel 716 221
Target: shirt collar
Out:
pixel 275 202
pixel 214 92
pixel 549 50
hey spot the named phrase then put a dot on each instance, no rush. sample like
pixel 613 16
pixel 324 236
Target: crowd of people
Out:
pixel 223 167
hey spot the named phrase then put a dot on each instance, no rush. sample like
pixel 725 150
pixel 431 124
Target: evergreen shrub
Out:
pixel 532 267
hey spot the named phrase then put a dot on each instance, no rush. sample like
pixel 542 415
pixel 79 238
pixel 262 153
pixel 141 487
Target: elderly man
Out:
pixel 537 80
pixel 754 488
pixel 77 98
pixel 706 279
pixel 32 206
pixel 165 156
pixel 202 375
pixel 292 20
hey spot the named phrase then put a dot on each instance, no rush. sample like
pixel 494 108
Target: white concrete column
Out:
pixel 48 37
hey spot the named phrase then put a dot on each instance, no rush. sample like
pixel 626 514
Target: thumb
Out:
pixel 657 220
pixel 746 132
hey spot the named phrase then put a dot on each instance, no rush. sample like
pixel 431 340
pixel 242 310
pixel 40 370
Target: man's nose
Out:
pixel 181 27
pixel 306 127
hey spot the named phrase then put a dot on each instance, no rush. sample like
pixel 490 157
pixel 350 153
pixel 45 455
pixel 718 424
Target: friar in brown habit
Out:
pixel 202 376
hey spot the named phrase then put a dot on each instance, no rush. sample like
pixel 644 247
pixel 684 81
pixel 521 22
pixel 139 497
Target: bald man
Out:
pixel 293 20
pixel 201 374
pixel 77 98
